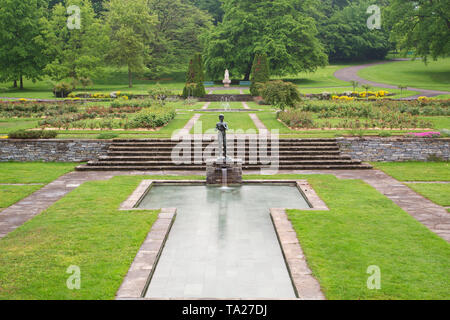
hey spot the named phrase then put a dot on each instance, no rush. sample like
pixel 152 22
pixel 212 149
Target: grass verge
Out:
pixel 11 194
pixel 364 228
pixel 33 172
pixel 416 171
pixel 439 193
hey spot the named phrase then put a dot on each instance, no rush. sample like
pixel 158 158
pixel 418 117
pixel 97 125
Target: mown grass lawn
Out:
pixel 435 75
pixel 364 228
pixel 222 105
pixel 236 121
pixel 416 171
pixel 85 229
pixel 439 193
pixel 33 172
pixel 13 124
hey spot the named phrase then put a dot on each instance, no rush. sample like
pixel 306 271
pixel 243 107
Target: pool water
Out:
pixel 223 243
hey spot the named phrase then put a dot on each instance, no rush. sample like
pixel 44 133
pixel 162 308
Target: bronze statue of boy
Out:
pixel 222 128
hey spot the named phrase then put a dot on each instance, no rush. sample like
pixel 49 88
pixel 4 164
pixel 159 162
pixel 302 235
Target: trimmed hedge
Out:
pixel 280 94
pixel 22 134
pixel 152 118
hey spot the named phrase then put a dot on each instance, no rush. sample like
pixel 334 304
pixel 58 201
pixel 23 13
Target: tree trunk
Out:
pixel 15 84
pixel 21 82
pixel 248 72
pixel 130 78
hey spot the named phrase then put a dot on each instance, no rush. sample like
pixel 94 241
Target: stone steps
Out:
pixel 168 163
pixel 168 158
pixel 156 141
pixel 151 155
pixel 201 168
pixel 168 154
pixel 280 149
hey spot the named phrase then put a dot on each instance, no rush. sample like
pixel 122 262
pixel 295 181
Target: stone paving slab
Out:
pixel 307 287
pixel 143 266
pixel 258 123
pixel 187 128
pixel 19 213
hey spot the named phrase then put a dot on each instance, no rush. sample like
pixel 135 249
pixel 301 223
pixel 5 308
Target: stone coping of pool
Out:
pixel 143 267
pixel 310 195
pixel 139 275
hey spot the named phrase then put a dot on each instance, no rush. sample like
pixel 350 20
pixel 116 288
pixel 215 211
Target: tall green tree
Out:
pixel 420 25
pixel 76 52
pixel 23 32
pixel 176 36
pixel 347 37
pixel 279 28
pixel 214 7
pixel 132 30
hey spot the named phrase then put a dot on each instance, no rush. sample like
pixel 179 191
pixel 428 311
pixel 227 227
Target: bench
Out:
pixel 208 83
pixel 245 83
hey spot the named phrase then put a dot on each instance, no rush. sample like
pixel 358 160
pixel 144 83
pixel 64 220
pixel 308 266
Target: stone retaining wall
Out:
pixel 378 149
pixel 52 150
pixel 366 149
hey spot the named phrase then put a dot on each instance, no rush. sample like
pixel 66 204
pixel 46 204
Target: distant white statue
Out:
pixel 227 80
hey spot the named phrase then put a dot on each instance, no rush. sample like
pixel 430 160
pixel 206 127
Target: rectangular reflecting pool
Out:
pixel 223 243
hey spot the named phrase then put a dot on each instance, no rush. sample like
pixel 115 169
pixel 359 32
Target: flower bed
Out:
pixel 362 115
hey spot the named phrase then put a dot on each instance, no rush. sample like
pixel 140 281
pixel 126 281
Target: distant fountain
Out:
pixel 225 103
pixel 223 170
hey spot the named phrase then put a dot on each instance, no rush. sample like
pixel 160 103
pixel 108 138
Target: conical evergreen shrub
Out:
pixel 195 78
pixel 260 73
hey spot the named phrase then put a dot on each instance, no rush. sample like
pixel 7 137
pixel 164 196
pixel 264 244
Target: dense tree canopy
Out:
pixel 176 34
pixel 423 26
pixel 347 37
pixel 76 53
pixel 214 7
pixel 277 28
pixel 132 28
pixel 23 31
pixel 160 36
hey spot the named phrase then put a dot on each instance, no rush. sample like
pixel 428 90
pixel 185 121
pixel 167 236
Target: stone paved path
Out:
pixel 258 123
pixel 245 105
pixel 187 128
pixel 431 215
pixel 17 214
pixel 206 106
pixel 351 73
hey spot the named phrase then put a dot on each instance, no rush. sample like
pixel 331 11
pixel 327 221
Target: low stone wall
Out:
pixel 52 150
pixel 374 149
pixel 379 149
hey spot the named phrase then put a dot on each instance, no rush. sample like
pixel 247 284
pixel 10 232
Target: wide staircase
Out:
pixel 294 154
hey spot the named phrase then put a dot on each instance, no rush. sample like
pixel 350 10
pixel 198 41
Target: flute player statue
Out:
pixel 222 128
pixel 224 170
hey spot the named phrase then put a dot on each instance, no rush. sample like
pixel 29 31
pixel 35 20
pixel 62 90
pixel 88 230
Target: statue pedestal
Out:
pixel 226 83
pixel 219 169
